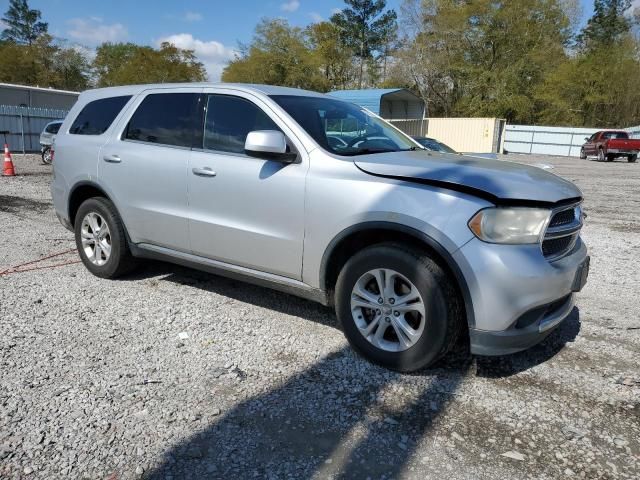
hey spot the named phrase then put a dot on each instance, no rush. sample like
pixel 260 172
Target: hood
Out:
pixel 499 181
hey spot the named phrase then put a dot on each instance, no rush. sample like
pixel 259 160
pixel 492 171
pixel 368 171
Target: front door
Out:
pixel 244 210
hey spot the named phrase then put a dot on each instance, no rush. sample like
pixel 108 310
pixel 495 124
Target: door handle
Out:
pixel 204 172
pixel 112 158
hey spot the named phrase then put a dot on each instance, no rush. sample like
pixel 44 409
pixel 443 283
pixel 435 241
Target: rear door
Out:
pixel 245 211
pixel 145 166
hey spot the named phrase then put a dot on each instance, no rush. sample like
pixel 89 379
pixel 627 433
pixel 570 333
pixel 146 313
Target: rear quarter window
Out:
pixel 96 117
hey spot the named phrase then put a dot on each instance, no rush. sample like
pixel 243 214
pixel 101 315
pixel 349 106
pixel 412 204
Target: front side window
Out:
pixel 164 118
pixel 343 128
pixel 228 121
pixel 97 116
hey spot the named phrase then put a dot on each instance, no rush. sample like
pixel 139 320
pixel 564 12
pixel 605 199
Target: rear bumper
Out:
pixel 530 329
pixel 623 151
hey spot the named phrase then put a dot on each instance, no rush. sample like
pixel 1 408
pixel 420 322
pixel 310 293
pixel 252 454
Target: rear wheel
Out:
pixel 632 158
pixel 101 239
pixel 398 308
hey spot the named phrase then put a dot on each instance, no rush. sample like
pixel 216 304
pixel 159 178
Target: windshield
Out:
pixel 343 128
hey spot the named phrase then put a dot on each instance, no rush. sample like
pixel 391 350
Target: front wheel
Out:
pixel 632 158
pixel 101 239
pixel 583 154
pixel 47 158
pixel 398 308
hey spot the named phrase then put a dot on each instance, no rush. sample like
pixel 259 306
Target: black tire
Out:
pixel 601 155
pixel 443 317
pixel 610 158
pixel 120 260
pixel 583 155
pixel 632 158
pixel 46 156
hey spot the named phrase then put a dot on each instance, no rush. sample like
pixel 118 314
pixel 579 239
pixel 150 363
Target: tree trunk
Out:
pixel 361 65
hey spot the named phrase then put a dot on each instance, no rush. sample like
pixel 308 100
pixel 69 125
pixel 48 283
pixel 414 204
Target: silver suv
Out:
pixel 320 198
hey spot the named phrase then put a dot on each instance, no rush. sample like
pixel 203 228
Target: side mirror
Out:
pixel 586 139
pixel 269 144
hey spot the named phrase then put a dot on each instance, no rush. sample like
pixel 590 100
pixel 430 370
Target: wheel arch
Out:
pixel 79 193
pixel 363 235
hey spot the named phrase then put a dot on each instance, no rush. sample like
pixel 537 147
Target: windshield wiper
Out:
pixel 369 151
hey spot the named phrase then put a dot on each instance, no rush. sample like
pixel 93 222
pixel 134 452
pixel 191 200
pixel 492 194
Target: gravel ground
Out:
pixel 172 373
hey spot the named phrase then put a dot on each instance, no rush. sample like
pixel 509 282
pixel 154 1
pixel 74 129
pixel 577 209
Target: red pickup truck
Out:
pixel 609 144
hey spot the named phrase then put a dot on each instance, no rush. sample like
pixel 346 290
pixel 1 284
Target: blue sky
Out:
pixel 210 27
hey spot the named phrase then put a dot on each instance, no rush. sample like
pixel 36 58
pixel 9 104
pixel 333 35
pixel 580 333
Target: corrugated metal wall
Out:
pixel 415 128
pixel 25 125
pixel 563 141
pixel 478 135
pixel 401 109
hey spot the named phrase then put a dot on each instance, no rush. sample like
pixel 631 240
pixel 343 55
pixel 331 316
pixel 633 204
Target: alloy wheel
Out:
pixel 96 238
pixel 388 310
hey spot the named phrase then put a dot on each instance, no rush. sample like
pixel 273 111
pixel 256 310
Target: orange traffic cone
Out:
pixel 9 171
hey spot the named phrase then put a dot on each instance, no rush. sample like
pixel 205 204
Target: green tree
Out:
pixel 365 27
pixel 127 63
pixel 44 63
pixel 335 61
pixel 484 57
pixel 608 24
pixel 277 55
pixel 597 86
pixel 23 25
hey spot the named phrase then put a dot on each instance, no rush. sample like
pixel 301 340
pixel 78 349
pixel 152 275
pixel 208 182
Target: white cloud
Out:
pixel 92 31
pixel 214 55
pixel 316 17
pixel 193 17
pixel 290 6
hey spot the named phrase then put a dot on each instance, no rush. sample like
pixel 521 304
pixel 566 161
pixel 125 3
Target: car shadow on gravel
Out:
pixel 342 417
pixel 339 418
pixel 237 290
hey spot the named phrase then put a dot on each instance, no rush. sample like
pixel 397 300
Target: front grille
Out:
pixel 563 232
pixel 556 246
pixel 563 217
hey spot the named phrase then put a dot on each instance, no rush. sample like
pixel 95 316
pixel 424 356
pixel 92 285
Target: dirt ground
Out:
pixel 171 373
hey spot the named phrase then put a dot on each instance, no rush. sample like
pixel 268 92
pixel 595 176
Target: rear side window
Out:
pixel 229 120
pixel 164 118
pixel 97 116
pixel 615 135
pixel 53 128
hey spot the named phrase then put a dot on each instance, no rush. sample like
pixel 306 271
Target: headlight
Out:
pixel 510 225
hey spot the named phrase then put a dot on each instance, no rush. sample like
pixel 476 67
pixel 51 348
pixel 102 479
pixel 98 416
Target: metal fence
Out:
pixel 416 128
pixel 25 124
pixel 563 141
